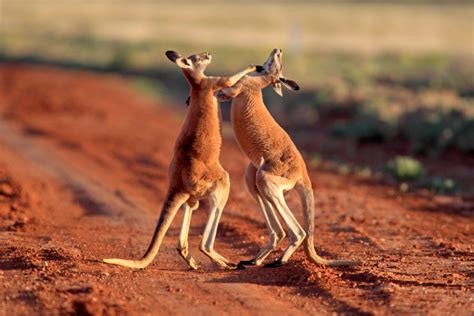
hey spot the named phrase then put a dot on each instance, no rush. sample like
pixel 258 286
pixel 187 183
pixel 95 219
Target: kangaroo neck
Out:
pixel 249 106
pixel 203 105
pixel 202 125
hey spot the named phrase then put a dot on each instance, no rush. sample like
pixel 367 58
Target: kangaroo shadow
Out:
pixel 296 276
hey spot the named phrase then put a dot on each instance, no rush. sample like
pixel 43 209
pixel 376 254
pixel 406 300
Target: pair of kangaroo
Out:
pixel 276 166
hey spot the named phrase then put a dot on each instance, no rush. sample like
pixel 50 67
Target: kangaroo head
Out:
pixel 193 65
pixel 273 67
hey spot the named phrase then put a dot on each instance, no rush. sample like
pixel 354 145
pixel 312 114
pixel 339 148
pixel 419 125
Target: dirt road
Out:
pixel 83 173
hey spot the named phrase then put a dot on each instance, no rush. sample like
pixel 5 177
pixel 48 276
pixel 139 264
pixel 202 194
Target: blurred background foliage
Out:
pixel 380 72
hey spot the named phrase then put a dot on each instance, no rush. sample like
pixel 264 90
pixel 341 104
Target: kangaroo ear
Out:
pixel 289 84
pixel 277 88
pixel 172 55
pixel 182 62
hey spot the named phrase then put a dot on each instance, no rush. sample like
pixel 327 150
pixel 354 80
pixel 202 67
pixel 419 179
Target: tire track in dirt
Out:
pixel 88 192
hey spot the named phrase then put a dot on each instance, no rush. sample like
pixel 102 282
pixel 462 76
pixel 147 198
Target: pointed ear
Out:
pixel 277 88
pixel 172 55
pixel 289 84
pixel 182 62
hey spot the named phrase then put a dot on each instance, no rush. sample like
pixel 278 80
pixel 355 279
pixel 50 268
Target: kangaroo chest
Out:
pixel 254 129
pixel 200 137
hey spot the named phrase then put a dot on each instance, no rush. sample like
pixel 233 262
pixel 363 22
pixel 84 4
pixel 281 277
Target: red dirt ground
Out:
pixel 83 173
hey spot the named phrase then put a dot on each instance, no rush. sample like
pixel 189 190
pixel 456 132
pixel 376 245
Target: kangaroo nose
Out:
pixel 277 51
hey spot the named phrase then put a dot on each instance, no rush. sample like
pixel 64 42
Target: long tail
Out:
pixel 307 197
pixel 168 212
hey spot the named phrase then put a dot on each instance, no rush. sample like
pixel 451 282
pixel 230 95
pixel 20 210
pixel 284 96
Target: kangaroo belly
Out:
pixel 260 139
pixel 195 177
pixel 252 144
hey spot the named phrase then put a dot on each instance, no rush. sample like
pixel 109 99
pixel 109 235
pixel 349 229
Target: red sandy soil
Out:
pixel 83 173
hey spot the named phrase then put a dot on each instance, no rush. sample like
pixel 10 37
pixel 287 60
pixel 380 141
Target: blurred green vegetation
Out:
pixel 439 185
pixel 135 33
pixel 410 172
pixel 405 168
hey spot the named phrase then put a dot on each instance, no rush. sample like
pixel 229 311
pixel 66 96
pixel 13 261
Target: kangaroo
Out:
pixel 276 165
pixel 195 172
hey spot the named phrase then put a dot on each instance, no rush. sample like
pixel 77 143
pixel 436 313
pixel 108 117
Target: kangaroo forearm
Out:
pixel 226 82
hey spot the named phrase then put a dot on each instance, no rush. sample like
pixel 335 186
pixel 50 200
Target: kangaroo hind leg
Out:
pixel 183 245
pixel 272 188
pixel 275 230
pixel 218 199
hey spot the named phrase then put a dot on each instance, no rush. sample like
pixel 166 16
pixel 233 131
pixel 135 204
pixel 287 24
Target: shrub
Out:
pixel 430 132
pixel 405 168
pixel 439 185
pixel 464 137
pixel 364 128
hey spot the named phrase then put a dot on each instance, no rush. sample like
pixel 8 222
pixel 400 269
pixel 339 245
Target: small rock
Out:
pixel 6 189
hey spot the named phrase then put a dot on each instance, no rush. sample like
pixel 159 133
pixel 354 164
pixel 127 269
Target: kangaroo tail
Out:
pixel 307 197
pixel 168 212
